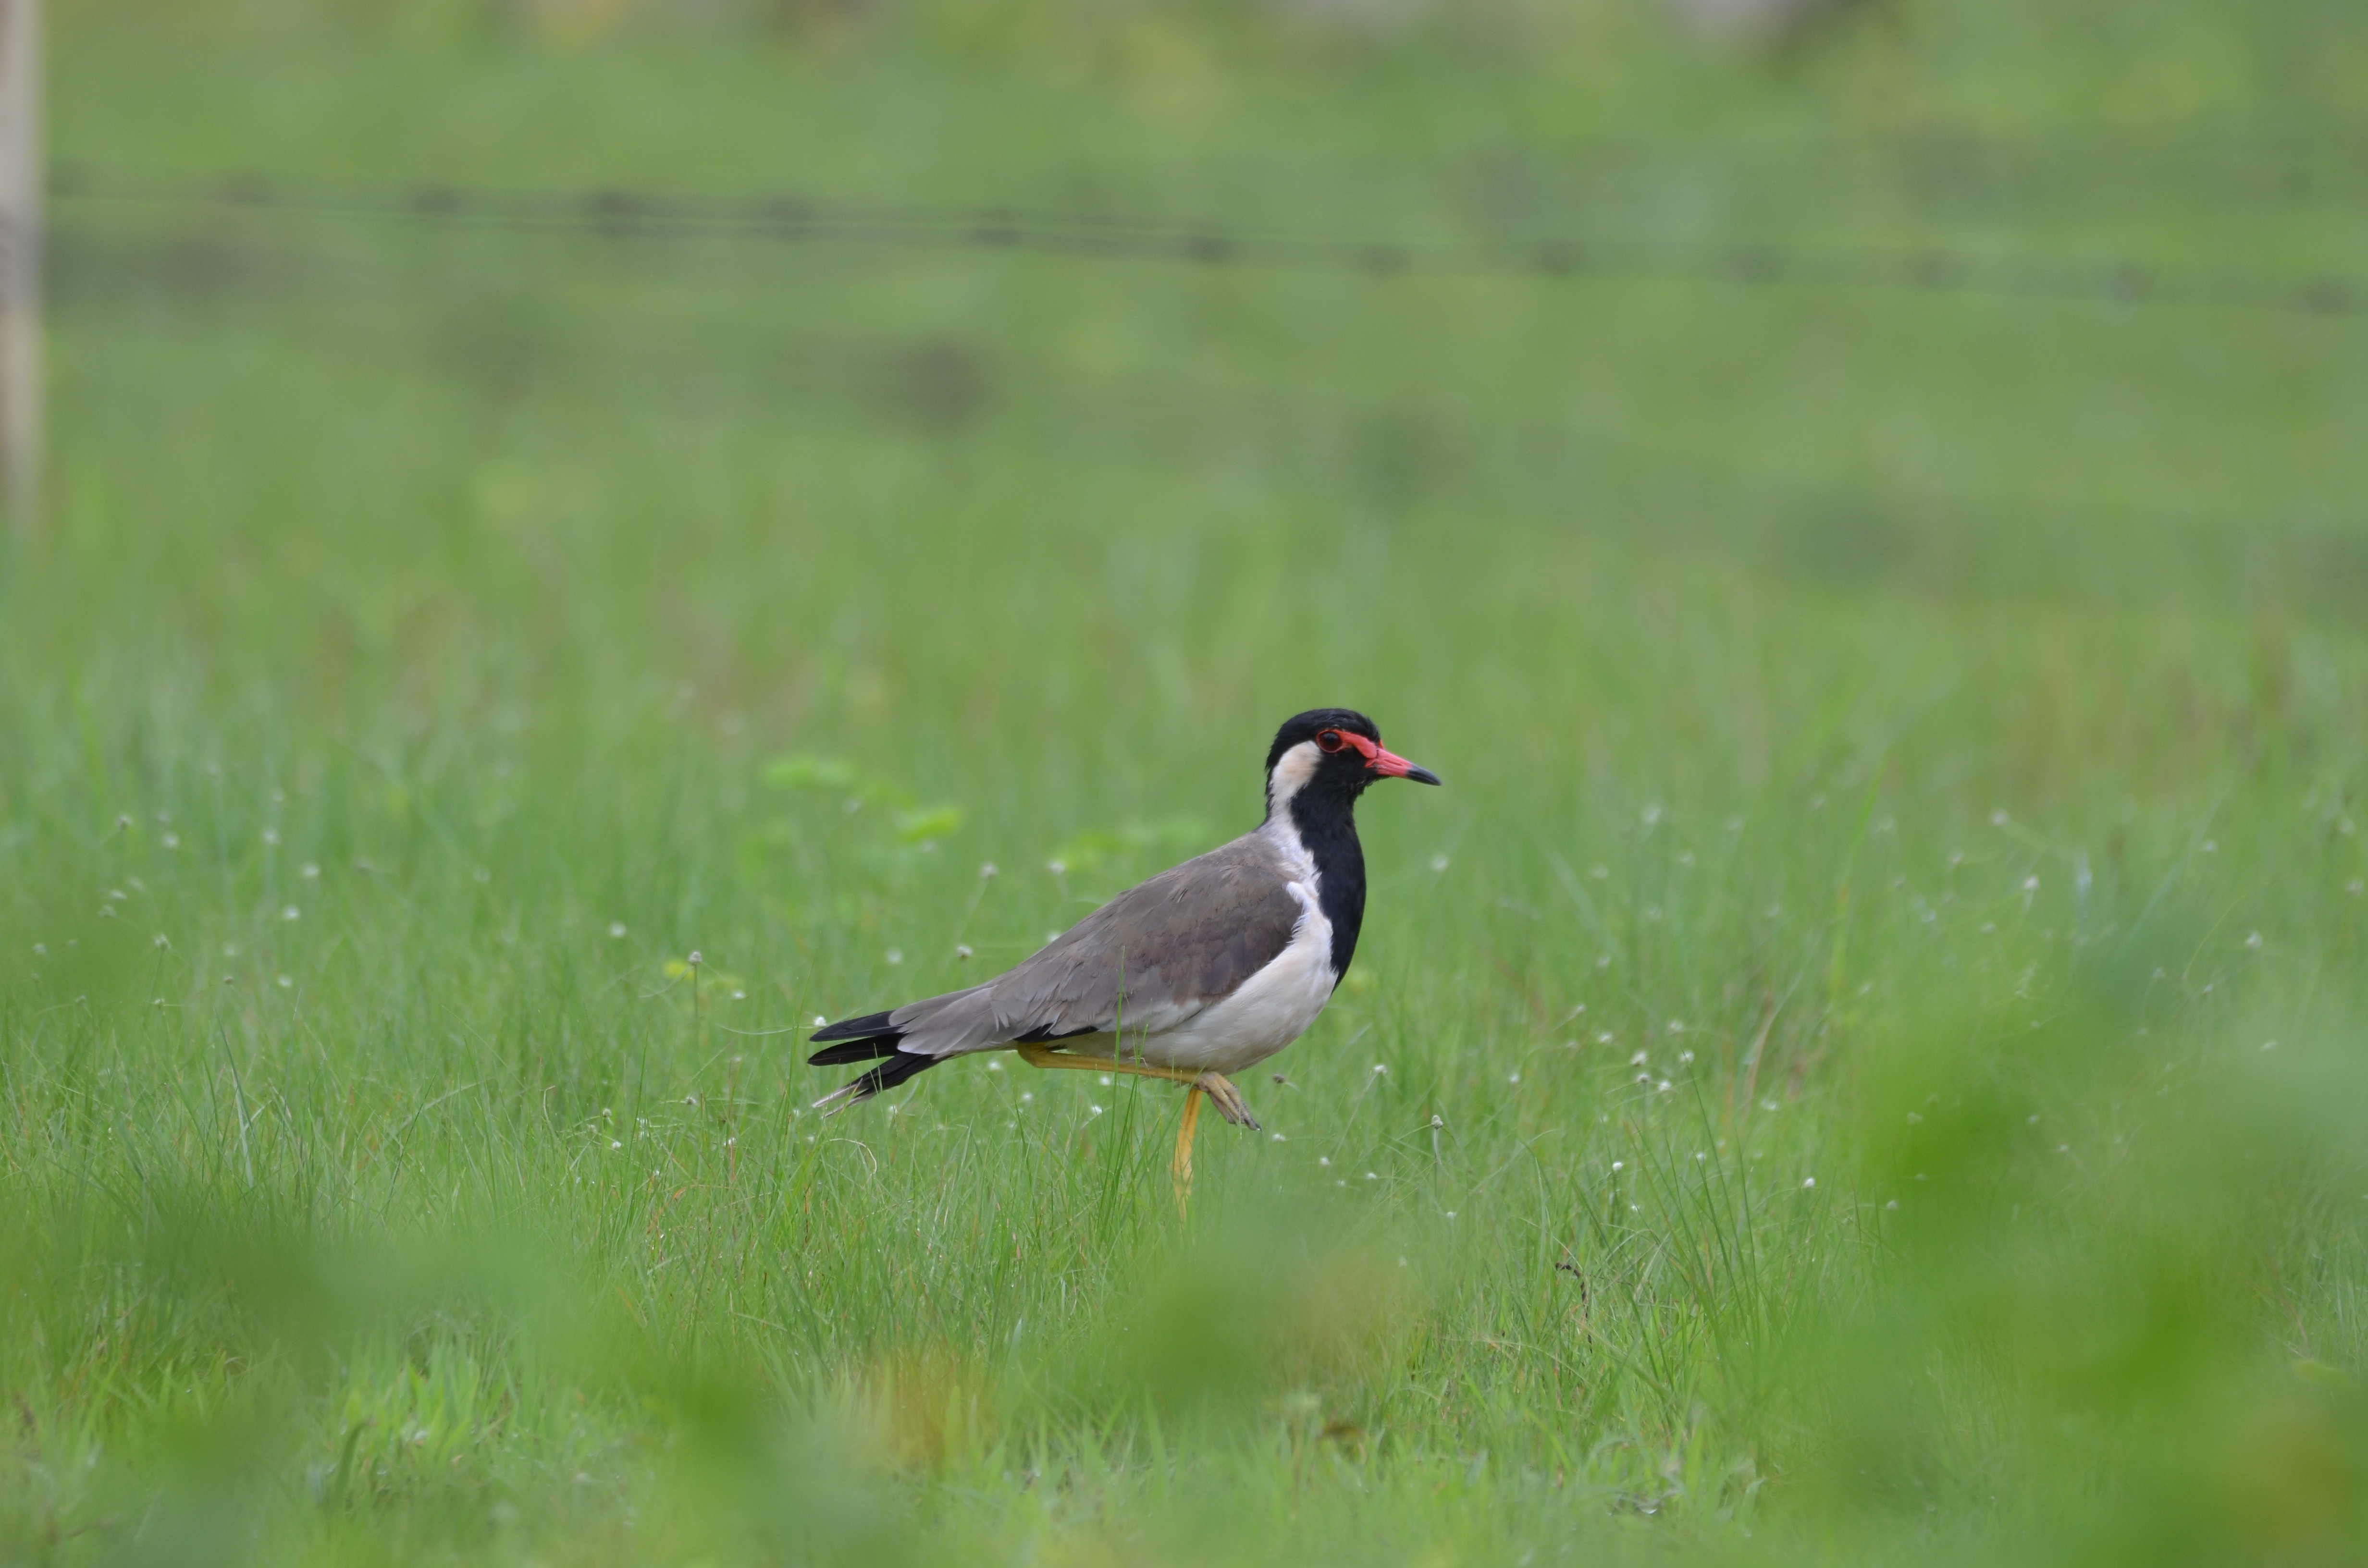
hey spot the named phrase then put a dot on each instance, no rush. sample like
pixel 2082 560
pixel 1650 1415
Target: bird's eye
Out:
pixel 1330 740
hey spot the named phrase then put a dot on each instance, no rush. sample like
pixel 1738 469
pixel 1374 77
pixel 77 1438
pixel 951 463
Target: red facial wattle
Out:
pixel 1388 764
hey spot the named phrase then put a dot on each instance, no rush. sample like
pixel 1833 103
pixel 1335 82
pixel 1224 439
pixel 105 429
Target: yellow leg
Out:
pixel 1046 1056
pixel 1227 1098
pixel 1182 1168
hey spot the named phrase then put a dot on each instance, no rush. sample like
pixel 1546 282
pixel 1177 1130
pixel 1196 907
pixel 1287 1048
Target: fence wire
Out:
pixel 795 220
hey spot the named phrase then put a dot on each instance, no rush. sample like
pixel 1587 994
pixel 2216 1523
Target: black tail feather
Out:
pixel 871 1037
pixel 893 1072
pixel 899 1066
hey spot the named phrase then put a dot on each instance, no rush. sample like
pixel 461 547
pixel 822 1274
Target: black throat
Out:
pixel 1327 822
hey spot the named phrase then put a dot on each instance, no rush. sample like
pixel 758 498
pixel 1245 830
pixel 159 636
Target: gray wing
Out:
pixel 1158 953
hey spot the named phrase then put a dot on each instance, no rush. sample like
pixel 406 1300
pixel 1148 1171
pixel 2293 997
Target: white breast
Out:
pixel 1273 1008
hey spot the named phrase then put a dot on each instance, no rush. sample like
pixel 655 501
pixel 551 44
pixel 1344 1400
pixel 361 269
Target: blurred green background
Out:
pixel 1861 1064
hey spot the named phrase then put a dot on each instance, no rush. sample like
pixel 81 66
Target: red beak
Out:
pixel 1388 764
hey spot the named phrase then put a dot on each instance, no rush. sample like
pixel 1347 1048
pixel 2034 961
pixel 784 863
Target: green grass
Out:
pixel 1926 729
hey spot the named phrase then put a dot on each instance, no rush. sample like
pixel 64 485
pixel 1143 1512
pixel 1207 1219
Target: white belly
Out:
pixel 1273 1008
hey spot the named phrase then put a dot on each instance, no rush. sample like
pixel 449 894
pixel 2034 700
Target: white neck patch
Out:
pixel 1292 772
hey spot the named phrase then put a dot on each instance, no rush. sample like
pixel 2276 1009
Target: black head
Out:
pixel 1332 752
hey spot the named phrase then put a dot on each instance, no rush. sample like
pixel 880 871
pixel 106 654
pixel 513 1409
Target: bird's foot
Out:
pixel 1227 1099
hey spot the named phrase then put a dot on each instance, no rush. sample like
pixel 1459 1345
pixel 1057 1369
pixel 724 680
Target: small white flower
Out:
pixel 1892 1204
pixel 1652 814
pixel 1279 1138
pixel 292 912
pixel 1026 1096
pixel 171 841
pixel 1619 1165
pixel 1676 1026
pixel 1598 872
pixel 1998 818
pixel 739 996
pixel 1685 1056
pixel 163 940
pixel 310 872
pixel 2211 846
pixel 1371 1177
pixel 1450 1213
pixel 615 1142
pixel 2268 1045
pixel 894 1109
pixel 286 984
pixel 896 955
pixel 694 960
pixel 1769 1105
pixel 2355 887
pixel 1058 867
pixel 961 951
pixel 1514 1078
pixel 1636 1060
pixel 1380 1070
pixel 1914 1118
pixel 820 1020
pixel 1735 824
pixel 1664 1086
pixel 1644 1077
pixel 2254 941
pixel 1809 1181
pixel 1324 1159
pixel 987 872
pixel 1438 863
pixel 616 930
pixel 2031 884
pixel 994 1066
pixel 272 835
pixel 1106 1080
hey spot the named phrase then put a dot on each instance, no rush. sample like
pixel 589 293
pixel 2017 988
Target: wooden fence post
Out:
pixel 21 259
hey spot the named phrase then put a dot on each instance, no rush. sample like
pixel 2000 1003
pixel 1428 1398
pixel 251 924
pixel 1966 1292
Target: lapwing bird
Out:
pixel 1207 969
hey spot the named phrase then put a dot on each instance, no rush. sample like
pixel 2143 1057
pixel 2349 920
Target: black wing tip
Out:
pixel 870 1050
pixel 856 1028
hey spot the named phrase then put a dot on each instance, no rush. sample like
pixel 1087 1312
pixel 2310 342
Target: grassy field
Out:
pixel 1861 1064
